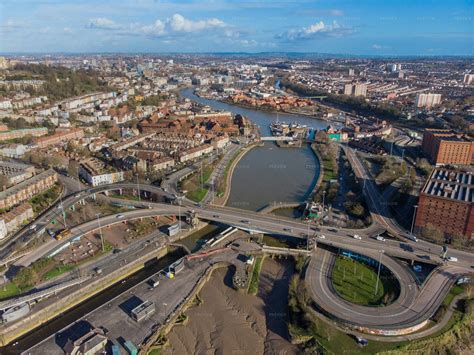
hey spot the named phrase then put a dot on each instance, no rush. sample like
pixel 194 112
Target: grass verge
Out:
pixel 255 280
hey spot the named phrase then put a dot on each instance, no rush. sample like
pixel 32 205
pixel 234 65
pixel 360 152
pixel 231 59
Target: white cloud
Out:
pixel 377 46
pixel 103 23
pixel 180 24
pixel 175 25
pixel 318 29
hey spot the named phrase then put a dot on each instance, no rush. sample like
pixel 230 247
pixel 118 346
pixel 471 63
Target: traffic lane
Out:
pixel 299 229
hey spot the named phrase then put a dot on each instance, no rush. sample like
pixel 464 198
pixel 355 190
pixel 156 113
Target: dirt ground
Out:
pixel 232 322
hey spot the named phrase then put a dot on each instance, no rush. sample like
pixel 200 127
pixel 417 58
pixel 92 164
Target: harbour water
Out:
pixel 269 174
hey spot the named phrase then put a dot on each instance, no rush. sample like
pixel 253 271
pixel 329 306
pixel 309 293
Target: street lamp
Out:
pixel 378 272
pixel 62 210
pixel 100 232
pixel 413 220
pixel 138 187
pixel 179 211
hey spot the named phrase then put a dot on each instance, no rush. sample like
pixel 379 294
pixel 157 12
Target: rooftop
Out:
pixel 451 184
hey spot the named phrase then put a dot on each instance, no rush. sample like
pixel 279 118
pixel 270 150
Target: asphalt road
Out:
pixel 413 306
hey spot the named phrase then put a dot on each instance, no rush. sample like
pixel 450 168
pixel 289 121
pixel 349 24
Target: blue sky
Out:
pixel 364 27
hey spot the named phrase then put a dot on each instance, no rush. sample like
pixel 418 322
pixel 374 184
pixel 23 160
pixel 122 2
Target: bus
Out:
pixel 65 233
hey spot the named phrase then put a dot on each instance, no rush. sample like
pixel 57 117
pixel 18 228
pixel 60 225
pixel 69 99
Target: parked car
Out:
pixel 357 236
pixel 452 258
pixel 119 216
pixel 379 237
pixel 322 236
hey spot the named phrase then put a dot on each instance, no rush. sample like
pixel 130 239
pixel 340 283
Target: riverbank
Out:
pixel 222 317
pixel 268 110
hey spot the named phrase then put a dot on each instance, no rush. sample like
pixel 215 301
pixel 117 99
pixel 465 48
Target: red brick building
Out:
pixel 444 146
pixel 446 202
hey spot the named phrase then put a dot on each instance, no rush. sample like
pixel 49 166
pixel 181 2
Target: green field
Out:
pixel 356 283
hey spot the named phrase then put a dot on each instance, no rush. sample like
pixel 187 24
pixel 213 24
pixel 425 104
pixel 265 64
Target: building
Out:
pixel 446 202
pixel 27 189
pixel 427 100
pixel 195 152
pixel 96 173
pixel 20 133
pixel 16 172
pixel 444 146
pixel 11 221
pixel 61 135
pixel 93 342
pixel 468 79
pixel 14 150
pixel 355 89
pixel 143 311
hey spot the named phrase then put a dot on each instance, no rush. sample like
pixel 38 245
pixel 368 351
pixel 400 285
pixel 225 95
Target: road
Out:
pixel 259 222
pixel 412 308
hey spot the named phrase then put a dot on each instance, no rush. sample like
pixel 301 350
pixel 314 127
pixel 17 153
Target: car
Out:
pixel 322 236
pixel 33 227
pixel 452 258
pixel 116 251
pixel 77 195
pixel 357 236
pixel 119 216
pixel 287 229
pixel 215 216
pixel 245 221
pixel 380 238
pixel 333 230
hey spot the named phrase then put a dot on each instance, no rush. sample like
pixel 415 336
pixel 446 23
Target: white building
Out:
pixel 96 173
pixel 427 100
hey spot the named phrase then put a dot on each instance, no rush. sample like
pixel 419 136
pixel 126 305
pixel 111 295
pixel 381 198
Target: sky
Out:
pixel 358 27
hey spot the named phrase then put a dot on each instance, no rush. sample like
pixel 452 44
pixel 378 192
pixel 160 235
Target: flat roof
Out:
pixel 451 184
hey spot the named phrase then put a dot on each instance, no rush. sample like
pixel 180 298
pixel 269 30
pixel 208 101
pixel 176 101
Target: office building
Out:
pixel 446 202
pixel 427 100
pixel 444 146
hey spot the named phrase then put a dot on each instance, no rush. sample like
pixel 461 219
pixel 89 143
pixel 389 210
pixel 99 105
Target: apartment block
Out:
pixel 444 146
pixel 16 172
pixel 446 202
pixel 427 100
pixel 20 133
pixel 195 152
pixel 97 173
pixel 61 135
pixel 11 221
pixel 27 189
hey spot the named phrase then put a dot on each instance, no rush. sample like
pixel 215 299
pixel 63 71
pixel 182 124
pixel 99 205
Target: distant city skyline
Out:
pixel 388 28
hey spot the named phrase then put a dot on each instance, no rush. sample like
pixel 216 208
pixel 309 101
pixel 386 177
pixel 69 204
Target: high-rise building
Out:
pixel 348 89
pixel 446 202
pixel 351 72
pixel 427 100
pixel 355 89
pixel 468 79
pixel 444 146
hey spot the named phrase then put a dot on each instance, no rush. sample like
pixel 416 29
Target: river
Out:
pixel 269 174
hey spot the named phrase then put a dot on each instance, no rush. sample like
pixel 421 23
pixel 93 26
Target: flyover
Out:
pixel 408 313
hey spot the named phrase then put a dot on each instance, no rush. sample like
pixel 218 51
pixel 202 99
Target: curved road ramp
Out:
pixel 409 313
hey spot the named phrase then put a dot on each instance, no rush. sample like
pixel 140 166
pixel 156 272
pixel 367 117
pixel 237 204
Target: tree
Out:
pixel 25 278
